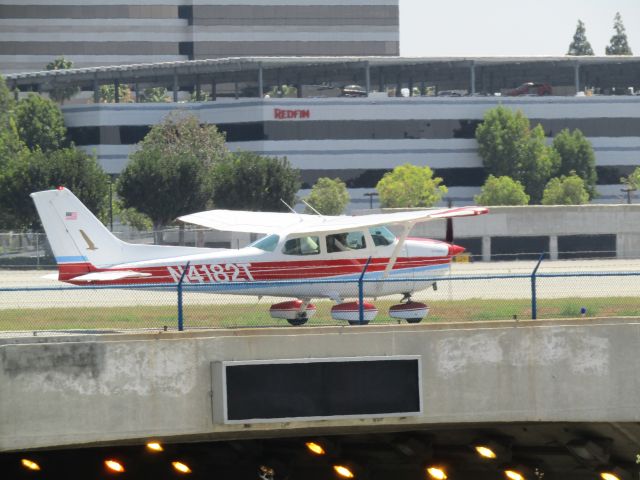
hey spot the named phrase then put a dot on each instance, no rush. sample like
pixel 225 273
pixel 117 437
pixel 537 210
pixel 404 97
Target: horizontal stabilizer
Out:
pixel 109 276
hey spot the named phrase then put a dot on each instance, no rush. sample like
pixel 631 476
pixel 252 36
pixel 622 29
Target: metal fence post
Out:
pixel 180 314
pixel 534 300
pixel 361 292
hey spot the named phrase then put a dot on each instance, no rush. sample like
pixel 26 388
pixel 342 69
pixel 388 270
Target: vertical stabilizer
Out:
pixel 80 242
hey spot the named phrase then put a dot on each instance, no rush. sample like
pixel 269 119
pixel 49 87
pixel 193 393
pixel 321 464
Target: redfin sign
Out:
pixel 282 114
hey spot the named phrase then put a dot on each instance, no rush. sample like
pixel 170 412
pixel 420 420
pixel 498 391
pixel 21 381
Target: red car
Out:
pixel 531 88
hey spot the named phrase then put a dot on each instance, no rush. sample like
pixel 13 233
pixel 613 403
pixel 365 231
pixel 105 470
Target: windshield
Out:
pixel 268 243
pixel 381 236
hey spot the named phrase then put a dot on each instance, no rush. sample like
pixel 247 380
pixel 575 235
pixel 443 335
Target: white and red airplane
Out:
pixel 296 248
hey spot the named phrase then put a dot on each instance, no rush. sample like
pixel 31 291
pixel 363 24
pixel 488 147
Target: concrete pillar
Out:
pixel 423 88
pixel 381 87
pixel 367 78
pixel 176 86
pixel 96 91
pixel 298 86
pixel 260 81
pixel 486 249
pixel 577 76
pixel 213 90
pixel 553 247
pixel 137 87
pixel 398 87
pixel 236 92
pixel 198 88
pixel 116 90
pixel 620 250
pixel 472 88
pixel 411 86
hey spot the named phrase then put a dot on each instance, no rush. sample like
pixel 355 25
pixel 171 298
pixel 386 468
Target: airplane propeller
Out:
pixel 449 234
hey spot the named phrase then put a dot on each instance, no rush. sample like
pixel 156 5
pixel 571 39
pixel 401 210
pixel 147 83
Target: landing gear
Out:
pixel 296 312
pixel 350 312
pixel 300 319
pixel 407 309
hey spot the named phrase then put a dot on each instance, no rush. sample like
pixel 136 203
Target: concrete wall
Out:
pixel 122 388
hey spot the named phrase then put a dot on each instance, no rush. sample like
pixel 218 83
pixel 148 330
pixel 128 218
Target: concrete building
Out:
pixel 359 139
pixel 118 32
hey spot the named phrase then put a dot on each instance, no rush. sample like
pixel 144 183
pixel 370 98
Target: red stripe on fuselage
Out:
pixel 229 272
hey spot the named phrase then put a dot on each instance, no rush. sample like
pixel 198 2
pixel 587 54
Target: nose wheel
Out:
pixel 407 309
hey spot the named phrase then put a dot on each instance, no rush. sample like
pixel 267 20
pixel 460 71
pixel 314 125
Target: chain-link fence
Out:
pixel 463 296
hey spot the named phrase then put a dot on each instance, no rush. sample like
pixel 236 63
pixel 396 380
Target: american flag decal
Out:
pixel 71 216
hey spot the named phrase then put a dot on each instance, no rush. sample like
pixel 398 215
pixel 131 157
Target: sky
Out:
pixel 510 27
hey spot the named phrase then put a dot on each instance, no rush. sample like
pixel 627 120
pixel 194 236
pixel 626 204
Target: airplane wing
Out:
pixel 265 222
pixel 109 276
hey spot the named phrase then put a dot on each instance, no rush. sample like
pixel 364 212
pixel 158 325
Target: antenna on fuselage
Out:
pixel 289 207
pixel 315 211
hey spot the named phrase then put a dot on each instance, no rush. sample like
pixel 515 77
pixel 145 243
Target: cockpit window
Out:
pixel 382 236
pixel 302 246
pixel 268 243
pixel 343 242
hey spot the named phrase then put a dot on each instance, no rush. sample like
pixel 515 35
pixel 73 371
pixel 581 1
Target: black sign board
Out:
pixel 313 389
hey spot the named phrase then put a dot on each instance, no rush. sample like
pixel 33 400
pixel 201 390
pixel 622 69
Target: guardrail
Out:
pixel 185 305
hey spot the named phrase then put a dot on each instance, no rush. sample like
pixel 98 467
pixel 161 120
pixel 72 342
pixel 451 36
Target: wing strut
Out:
pixel 406 228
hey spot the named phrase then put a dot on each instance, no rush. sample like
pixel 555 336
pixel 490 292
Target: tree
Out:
pixel 61 93
pixel 108 94
pixel 38 170
pixel 509 147
pixel 576 155
pixel 618 45
pixel 502 191
pixel 170 174
pixel 202 97
pixel 633 180
pixel 580 45
pixel 7 103
pixel 565 190
pixel 154 95
pixel 410 186
pixel 40 123
pixel 248 181
pixel 328 196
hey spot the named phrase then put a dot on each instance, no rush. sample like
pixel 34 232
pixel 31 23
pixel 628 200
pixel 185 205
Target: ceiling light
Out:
pixel 181 467
pixel 592 451
pixel 614 473
pixel 343 471
pixel 316 448
pixel 437 472
pixel 30 464
pixel 154 447
pixel 514 475
pixel 114 466
pixel 485 452
pixel 608 476
pixel 491 448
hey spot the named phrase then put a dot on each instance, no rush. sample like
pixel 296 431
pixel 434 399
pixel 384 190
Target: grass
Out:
pixel 254 315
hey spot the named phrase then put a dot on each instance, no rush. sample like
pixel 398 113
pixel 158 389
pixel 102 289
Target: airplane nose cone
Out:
pixel 455 250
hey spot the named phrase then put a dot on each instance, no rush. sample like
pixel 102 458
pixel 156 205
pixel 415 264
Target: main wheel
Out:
pixel 299 320
pixel 414 320
pixel 357 322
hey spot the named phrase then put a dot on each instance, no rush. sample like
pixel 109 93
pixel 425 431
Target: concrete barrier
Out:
pixel 118 389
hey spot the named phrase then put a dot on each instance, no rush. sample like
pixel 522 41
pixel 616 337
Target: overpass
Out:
pixel 543 384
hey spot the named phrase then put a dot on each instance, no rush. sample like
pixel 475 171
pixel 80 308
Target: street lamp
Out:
pixel 628 189
pixel 371 195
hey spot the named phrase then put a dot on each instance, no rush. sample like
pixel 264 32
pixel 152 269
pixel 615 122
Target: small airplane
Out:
pixel 297 248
